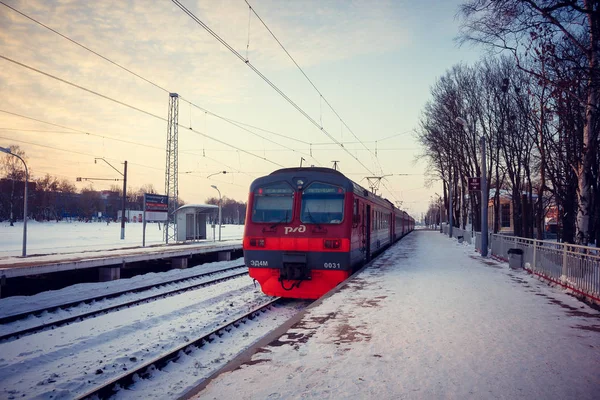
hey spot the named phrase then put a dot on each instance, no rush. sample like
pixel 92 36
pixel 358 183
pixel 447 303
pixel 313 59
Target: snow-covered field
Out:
pixel 430 320
pixel 69 237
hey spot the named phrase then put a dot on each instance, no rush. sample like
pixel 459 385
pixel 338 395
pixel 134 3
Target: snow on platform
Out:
pixel 62 246
pixel 429 319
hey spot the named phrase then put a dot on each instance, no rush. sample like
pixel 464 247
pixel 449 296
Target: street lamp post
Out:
pixel 124 201
pixel 7 151
pixel 217 189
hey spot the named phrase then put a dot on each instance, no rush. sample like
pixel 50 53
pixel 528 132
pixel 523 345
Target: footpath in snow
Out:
pixel 430 319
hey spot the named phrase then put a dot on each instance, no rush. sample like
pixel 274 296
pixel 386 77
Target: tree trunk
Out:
pixel 589 134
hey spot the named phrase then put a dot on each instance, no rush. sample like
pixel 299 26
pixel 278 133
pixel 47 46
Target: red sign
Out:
pixel 474 184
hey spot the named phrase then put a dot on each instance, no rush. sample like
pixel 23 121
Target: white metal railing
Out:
pixel 466 235
pixel 571 266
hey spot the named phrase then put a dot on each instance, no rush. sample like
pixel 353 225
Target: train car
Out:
pixel 308 229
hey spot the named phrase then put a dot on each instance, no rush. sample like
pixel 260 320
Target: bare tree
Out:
pixel 539 33
pixel 13 169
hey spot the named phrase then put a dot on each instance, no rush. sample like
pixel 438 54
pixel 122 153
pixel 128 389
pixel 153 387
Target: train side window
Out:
pixel 356 213
pixel 372 220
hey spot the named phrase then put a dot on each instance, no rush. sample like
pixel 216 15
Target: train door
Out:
pixel 368 230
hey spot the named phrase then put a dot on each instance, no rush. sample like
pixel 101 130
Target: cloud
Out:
pixel 160 42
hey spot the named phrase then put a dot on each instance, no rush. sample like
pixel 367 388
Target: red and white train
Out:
pixel 308 229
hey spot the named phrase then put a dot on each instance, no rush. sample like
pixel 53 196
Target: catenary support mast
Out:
pixel 171 188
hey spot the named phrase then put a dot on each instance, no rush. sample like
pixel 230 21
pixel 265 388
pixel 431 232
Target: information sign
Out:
pixel 474 184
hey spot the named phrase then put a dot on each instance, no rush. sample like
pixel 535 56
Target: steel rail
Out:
pixel 90 314
pixel 125 379
pixel 16 317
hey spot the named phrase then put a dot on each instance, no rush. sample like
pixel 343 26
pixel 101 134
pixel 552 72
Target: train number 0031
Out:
pixel 331 265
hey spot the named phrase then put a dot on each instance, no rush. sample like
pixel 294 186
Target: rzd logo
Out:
pixel 299 229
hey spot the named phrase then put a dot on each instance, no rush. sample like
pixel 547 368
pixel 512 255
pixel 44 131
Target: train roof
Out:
pixel 333 176
pixel 311 169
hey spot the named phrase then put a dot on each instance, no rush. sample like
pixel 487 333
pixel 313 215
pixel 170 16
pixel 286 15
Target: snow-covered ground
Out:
pixel 69 360
pixel 80 292
pixel 69 237
pixel 429 320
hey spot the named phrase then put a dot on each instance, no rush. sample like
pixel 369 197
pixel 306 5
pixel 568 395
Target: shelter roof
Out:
pixel 199 208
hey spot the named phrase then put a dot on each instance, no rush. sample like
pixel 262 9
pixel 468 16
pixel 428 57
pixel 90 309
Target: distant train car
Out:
pixel 308 229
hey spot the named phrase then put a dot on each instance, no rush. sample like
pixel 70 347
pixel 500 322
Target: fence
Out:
pixel 571 266
pixel 468 236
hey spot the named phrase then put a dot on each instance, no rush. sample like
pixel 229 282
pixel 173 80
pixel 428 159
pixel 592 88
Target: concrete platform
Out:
pixel 429 319
pixel 11 267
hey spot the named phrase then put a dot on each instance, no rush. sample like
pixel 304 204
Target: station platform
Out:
pixel 13 267
pixel 429 319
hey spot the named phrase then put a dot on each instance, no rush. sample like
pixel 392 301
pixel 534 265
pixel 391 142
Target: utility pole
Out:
pixel 124 201
pixel 484 202
pixel 451 205
pixel 440 212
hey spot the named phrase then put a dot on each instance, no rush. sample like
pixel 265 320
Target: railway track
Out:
pixel 81 316
pixel 125 379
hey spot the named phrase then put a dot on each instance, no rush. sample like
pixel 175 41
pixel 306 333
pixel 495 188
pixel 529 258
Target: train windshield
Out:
pixel 322 203
pixel 273 203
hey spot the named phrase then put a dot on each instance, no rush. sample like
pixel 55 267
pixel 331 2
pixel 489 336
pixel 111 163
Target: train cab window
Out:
pixel 273 203
pixel 322 203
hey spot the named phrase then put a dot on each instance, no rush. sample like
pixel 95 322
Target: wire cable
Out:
pixel 263 77
pixel 134 108
pixel 322 98
pixel 96 156
pixel 143 78
pixel 78 131
pixel 84 47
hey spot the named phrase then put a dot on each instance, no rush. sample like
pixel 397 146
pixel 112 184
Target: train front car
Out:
pixel 297 234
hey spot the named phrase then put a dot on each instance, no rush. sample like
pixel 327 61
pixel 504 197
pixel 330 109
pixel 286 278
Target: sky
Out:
pixel 373 62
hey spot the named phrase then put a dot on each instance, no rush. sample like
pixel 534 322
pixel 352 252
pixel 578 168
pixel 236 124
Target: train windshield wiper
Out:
pixel 280 221
pixel 312 219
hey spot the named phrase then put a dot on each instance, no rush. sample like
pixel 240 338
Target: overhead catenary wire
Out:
pixel 253 133
pixel 165 90
pixel 233 122
pixel 132 107
pixel 328 149
pixel 93 155
pixel 229 120
pixel 83 46
pixel 264 78
pixel 79 131
pixel 322 98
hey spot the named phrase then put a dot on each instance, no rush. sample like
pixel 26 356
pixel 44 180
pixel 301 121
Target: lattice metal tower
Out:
pixel 171 188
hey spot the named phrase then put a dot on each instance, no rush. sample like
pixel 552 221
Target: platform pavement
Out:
pixel 429 319
pixel 12 267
